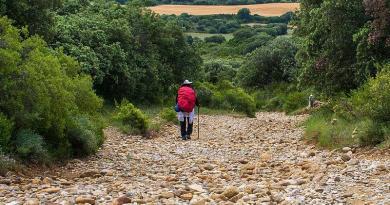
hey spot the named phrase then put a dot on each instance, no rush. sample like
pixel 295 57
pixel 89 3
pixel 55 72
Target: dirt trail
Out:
pixel 261 160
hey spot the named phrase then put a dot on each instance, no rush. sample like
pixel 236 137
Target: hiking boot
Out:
pixel 188 137
pixel 184 137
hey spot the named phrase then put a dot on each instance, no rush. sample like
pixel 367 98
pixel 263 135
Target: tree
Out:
pixel 129 51
pixel 37 15
pixel 272 63
pixel 218 70
pixel 244 14
pixel 328 51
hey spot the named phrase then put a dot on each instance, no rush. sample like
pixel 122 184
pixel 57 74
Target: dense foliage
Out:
pixel 223 23
pixel 41 91
pixel 268 64
pixel 38 15
pixel 224 95
pixel 345 49
pixel 129 51
pixel 342 42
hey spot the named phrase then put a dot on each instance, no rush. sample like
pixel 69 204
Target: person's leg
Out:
pixel 190 123
pixel 189 129
pixel 182 120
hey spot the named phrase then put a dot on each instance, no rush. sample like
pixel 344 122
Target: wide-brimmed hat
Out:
pixel 187 82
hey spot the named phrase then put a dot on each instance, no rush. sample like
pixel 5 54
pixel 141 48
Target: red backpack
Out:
pixel 186 98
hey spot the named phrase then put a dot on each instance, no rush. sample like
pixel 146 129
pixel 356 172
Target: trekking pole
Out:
pixel 198 120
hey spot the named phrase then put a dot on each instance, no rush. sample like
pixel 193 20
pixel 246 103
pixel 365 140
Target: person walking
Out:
pixel 186 100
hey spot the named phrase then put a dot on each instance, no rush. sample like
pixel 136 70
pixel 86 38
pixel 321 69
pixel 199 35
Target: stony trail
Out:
pixel 237 160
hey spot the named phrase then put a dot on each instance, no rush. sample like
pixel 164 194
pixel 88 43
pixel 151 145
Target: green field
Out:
pixel 205 35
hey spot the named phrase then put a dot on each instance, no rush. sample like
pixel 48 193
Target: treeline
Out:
pixel 54 56
pixel 223 23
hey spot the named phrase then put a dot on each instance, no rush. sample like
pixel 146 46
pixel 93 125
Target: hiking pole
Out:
pixel 198 120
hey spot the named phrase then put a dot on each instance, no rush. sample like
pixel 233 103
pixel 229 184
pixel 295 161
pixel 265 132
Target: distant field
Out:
pixel 253 24
pixel 272 9
pixel 205 35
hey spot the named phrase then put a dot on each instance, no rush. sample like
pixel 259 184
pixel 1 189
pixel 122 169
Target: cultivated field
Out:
pixel 273 9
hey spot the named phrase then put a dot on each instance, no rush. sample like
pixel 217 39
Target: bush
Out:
pixel 215 39
pixel 369 132
pixel 280 97
pixel 274 104
pixel 204 93
pixel 327 131
pixel 169 115
pixel 31 147
pixel 84 136
pixel 372 100
pixel 268 64
pixel 294 101
pixel 41 90
pixel 5 130
pixel 241 101
pixel 135 121
pixel 218 70
pixel 225 96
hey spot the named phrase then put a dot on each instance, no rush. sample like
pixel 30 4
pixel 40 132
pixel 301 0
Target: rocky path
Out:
pixel 235 161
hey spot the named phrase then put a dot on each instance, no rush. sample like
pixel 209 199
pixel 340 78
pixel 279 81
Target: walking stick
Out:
pixel 198 120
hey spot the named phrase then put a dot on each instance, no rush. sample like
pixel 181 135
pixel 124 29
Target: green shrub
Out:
pixel 31 147
pixel 261 98
pixel 133 118
pixel 169 115
pixel 274 104
pixel 225 85
pixel 204 93
pixel 372 100
pixel 84 136
pixel 219 101
pixel 369 132
pixel 218 70
pixel 225 96
pixel 215 39
pixel 294 101
pixel 241 101
pixel 324 129
pixel 5 130
pixel 274 62
pixel 41 90
pixel 386 136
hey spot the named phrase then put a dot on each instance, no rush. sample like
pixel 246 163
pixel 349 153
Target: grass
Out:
pixel 205 35
pixel 329 133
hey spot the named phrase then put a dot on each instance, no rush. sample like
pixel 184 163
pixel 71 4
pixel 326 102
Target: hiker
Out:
pixel 185 107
